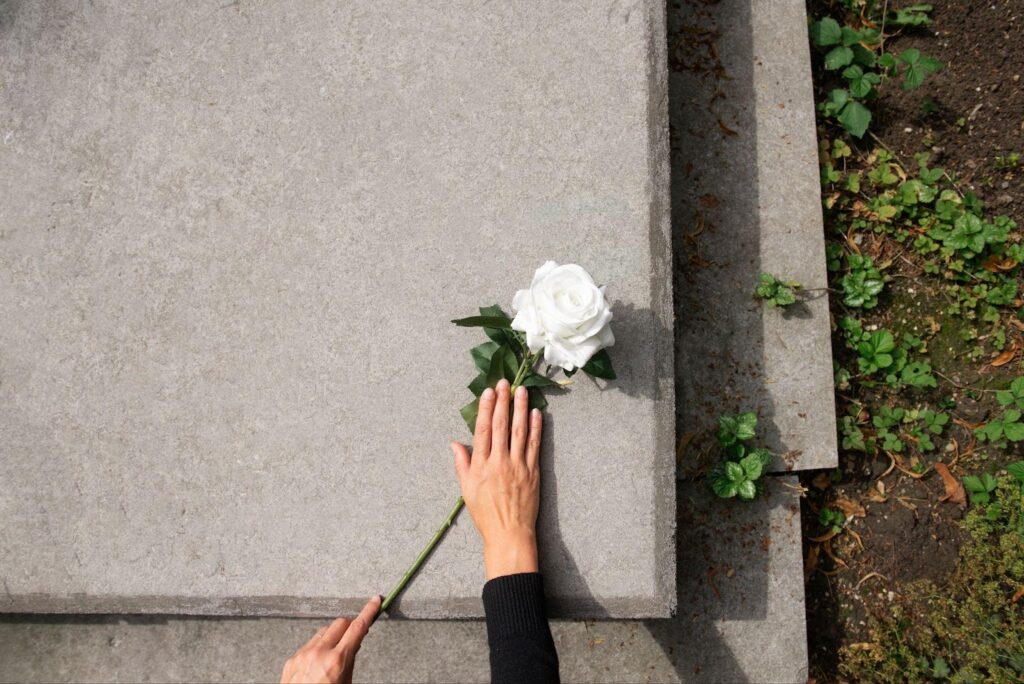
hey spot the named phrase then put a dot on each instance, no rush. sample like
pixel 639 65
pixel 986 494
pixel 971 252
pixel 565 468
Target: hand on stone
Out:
pixel 330 655
pixel 501 481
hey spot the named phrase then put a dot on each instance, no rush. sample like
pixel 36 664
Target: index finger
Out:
pixel 482 433
pixel 353 636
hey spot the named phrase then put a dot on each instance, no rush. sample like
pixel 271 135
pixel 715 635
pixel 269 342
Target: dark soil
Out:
pixel 979 96
pixel 970 118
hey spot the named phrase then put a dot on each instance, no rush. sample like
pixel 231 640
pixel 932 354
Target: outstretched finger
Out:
pixel 520 424
pixel 353 637
pixel 499 424
pixel 334 632
pixel 533 442
pixel 482 432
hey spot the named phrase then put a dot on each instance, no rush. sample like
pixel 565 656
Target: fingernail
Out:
pixel 536 412
pixel 488 393
pixel 379 598
pixel 520 392
pixel 503 384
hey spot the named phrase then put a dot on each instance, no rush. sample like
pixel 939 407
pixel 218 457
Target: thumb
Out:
pixel 461 460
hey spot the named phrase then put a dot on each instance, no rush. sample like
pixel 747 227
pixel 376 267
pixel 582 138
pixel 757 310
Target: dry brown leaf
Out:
pixel 998 265
pixel 681 447
pixel 711 581
pixel 868 576
pixel 725 129
pixel 902 501
pixel 822 480
pixel 969 426
pixel 1018 596
pixel 823 538
pixel 849 508
pixel 709 201
pixel 828 552
pixel 1007 356
pixel 1016 323
pixel 811 563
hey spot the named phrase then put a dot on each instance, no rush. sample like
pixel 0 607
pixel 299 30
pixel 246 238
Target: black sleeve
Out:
pixel 522 650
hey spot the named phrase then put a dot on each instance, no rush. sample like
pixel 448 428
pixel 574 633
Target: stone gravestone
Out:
pixel 231 241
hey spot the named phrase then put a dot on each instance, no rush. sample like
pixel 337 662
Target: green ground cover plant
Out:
pixel 741 468
pixel 856 52
pixel 927 314
pixel 970 628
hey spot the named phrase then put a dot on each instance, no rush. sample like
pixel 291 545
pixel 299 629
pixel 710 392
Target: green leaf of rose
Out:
pixel 499 335
pixel 537 400
pixel 482 355
pixel 478 384
pixel 469 412
pixel 538 380
pixel 498 322
pixel 600 366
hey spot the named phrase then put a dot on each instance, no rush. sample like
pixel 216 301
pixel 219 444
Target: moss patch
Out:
pixel 969 628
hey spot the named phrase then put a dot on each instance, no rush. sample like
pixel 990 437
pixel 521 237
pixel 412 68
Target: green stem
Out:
pixel 524 367
pixel 424 554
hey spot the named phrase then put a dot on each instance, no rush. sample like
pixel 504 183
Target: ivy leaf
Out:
pixel 600 366
pixel 825 32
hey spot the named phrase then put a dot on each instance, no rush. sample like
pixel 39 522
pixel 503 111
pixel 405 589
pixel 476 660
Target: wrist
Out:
pixel 511 555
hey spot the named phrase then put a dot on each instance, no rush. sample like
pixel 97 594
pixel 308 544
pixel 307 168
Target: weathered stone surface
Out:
pixel 231 240
pixel 746 200
pixel 741 618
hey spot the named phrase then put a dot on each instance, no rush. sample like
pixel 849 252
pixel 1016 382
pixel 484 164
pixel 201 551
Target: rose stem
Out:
pixel 526 365
pixel 421 559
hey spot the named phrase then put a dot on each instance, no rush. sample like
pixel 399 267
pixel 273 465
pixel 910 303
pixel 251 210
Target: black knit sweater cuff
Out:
pixel 514 605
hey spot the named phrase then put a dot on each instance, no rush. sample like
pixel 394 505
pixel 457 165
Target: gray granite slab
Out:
pixel 741 619
pixel 746 200
pixel 232 238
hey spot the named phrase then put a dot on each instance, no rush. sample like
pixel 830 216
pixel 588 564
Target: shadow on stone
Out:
pixel 556 561
pixel 719 333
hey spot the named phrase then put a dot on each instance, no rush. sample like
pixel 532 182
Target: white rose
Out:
pixel 565 314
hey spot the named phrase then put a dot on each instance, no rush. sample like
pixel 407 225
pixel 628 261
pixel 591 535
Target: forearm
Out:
pixel 522 650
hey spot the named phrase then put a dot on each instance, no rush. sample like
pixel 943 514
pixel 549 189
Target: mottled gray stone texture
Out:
pixel 231 240
pixel 741 618
pixel 746 200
